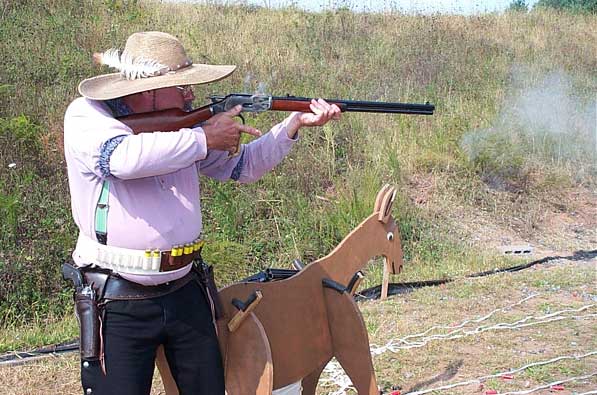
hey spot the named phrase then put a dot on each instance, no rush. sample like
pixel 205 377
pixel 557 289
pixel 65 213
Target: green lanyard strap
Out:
pixel 101 213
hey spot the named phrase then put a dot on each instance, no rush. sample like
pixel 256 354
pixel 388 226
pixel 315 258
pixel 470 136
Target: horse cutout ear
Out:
pixel 385 208
pixel 379 198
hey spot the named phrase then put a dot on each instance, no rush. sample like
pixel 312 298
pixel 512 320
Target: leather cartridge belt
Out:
pixel 110 286
pixel 89 251
pixel 118 288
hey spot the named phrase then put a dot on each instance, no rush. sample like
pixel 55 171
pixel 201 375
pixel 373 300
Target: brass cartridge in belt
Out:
pixel 179 253
pixel 156 260
pixel 147 260
pixel 196 247
pixel 173 255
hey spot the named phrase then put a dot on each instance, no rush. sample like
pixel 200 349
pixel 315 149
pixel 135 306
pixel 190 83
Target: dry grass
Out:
pixel 464 65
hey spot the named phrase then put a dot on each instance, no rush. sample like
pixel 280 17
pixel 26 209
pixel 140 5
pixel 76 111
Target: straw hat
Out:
pixel 150 60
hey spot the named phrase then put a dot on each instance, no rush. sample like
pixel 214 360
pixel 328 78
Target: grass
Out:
pixel 467 66
pixel 38 333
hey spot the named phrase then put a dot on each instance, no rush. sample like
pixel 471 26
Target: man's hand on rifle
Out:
pixel 222 132
pixel 322 113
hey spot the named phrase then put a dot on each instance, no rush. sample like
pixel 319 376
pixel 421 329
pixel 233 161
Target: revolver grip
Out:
pixel 71 272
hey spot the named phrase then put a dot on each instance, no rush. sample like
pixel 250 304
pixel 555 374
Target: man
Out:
pixel 135 199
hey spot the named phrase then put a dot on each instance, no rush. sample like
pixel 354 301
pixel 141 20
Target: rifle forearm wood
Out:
pixel 290 105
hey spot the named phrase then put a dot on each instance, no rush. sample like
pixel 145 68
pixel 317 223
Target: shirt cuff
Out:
pixel 201 142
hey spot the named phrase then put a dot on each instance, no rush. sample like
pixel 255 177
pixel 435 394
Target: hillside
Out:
pixel 508 158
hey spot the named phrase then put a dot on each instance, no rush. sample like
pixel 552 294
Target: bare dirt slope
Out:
pixel 556 221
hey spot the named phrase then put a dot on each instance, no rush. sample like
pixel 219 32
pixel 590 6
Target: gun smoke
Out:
pixel 546 125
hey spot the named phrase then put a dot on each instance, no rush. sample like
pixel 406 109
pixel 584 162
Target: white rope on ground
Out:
pixel 476 320
pixel 465 322
pixel 542 387
pixel 589 393
pixel 521 322
pixel 337 377
pixel 462 332
pixel 483 378
pixel 340 379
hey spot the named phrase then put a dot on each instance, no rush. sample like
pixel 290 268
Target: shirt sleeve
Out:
pixel 88 126
pixel 255 158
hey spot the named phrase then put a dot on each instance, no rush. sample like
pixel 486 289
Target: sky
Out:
pixel 466 7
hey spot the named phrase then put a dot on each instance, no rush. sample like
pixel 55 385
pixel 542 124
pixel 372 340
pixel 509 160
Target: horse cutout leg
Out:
pixel 350 341
pixel 310 382
pixel 247 360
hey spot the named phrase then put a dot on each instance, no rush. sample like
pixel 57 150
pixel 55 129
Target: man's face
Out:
pixel 174 97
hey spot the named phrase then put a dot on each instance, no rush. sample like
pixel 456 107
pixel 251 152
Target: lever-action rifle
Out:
pixel 175 119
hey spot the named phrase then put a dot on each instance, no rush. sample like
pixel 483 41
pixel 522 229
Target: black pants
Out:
pixel 133 330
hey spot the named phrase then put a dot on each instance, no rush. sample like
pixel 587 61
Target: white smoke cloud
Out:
pixel 545 123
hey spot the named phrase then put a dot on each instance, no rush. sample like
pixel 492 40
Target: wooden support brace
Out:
pixel 244 310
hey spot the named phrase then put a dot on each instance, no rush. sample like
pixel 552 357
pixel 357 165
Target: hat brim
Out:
pixel 111 86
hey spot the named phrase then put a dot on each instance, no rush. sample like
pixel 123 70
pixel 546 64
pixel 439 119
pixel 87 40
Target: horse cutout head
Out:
pixel 377 235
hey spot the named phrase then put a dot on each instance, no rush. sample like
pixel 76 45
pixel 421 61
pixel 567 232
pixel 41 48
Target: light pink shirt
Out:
pixel 154 188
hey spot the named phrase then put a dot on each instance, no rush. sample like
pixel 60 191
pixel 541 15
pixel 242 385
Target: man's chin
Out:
pixel 188 106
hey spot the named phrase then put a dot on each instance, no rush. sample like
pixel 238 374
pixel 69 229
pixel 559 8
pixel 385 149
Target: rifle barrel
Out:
pixel 368 106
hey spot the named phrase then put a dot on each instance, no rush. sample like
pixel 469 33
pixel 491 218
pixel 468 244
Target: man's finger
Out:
pixel 336 112
pixel 315 108
pixel 249 130
pixel 234 111
pixel 327 108
pixel 324 104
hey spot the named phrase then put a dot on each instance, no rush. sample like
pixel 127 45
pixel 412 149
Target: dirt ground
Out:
pixel 556 223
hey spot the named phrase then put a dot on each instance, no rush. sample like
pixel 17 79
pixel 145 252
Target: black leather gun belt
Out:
pixel 110 286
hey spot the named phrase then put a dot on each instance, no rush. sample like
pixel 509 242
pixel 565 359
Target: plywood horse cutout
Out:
pixel 300 323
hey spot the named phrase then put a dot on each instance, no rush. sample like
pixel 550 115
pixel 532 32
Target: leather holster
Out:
pixel 88 315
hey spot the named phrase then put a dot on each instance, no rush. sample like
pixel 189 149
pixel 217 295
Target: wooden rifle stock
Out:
pixel 165 120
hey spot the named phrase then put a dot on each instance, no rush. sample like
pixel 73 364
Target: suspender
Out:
pixel 101 213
